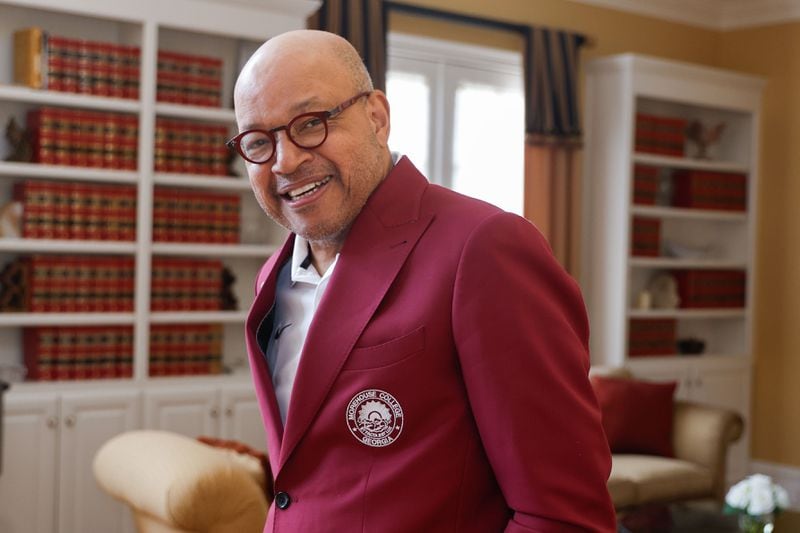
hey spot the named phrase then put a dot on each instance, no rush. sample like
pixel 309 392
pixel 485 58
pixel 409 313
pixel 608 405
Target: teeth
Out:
pixel 305 189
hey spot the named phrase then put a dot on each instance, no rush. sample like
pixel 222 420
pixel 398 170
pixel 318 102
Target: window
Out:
pixel 458 112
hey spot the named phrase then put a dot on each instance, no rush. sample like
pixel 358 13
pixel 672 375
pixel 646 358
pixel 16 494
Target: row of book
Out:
pixel 83 138
pixel 56 353
pixel 656 134
pixel 648 336
pixel 646 183
pixel 76 210
pixel 186 284
pixel 80 283
pixel 67 283
pixel 190 147
pixel 712 288
pixel 705 189
pixel 646 237
pixel 698 189
pixel 189 79
pixel 45 61
pixel 181 215
pixel 60 353
pixel 185 349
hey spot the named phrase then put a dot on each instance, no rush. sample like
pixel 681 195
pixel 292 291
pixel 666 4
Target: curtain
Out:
pixel 363 23
pixel 552 152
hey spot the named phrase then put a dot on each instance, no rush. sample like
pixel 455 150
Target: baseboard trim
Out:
pixel 784 475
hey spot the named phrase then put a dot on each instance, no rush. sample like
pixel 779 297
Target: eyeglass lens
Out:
pixel 306 131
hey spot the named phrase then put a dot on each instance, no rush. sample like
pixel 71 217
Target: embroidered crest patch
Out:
pixel 374 418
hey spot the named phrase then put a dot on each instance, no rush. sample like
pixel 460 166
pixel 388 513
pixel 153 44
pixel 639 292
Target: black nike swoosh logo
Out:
pixel 280 330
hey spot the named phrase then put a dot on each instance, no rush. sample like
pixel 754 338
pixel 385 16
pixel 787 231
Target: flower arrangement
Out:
pixel 756 499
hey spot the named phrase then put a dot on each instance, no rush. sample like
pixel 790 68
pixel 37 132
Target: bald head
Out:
pixel 318 52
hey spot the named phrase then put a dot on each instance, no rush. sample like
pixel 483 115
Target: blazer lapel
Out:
pixel 378 244
pixel 261 308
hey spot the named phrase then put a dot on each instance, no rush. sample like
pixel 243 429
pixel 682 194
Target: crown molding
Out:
pixel 749 13
pixel 709 14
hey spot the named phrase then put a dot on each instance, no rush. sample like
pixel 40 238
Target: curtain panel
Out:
pixel 553 138
pixel 363 23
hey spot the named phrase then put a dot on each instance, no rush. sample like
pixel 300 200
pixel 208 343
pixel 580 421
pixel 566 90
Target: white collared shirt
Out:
pixel 297 295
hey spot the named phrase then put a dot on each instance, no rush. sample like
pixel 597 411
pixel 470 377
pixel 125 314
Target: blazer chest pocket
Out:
pixel 387 353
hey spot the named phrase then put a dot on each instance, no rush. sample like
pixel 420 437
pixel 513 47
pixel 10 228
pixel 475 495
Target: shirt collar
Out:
pixel 302 268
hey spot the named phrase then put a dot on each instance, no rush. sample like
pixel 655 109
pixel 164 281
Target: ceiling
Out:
pixel 715 14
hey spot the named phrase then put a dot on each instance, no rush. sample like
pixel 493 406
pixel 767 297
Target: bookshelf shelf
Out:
pixel 62 172
pixel 214 250
pixel 9 320
pixel 674 263
pixel 66 246
pixel 233 183
pixel 687 214
pixel 688 163
pixel 688 314
pixel 196 113
pixel 15 93
pixel 197 317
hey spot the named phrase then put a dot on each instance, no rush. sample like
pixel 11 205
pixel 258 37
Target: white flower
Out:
pixel 781 497
pixel 760 501
pixel 757 495
pixel 738 496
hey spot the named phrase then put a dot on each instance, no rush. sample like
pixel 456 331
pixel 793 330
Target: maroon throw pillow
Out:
pixel 637 415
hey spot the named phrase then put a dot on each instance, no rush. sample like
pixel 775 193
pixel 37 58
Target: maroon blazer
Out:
pixel 443 383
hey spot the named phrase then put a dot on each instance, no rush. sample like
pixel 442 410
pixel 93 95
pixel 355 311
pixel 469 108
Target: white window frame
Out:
pixel 431 58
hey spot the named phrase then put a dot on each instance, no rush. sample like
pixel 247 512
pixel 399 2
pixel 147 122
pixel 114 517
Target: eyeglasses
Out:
pixel 308 130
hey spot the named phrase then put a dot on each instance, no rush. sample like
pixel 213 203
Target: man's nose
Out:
pixel 288 156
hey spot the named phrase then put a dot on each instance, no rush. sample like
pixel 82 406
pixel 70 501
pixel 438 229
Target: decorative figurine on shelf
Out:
pixel 11 220
pixel 13 283
pixel 19 139
pixel 663 289
pixel 691 346
pixel 228 298
pixel 703 137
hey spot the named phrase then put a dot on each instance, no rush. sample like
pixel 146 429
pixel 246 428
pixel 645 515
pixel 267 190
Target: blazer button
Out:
pixel 282 500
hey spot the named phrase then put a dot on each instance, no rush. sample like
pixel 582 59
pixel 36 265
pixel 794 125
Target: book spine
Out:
pixel 30 58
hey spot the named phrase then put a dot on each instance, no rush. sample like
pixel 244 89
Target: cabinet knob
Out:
pixel 52 422
pixel 70 421
pixel 214 412
pixel 229 412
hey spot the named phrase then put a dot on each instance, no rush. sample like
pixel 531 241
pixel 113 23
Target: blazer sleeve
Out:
pixel 521 332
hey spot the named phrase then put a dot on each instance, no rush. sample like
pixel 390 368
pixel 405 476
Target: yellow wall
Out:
pixel 772 52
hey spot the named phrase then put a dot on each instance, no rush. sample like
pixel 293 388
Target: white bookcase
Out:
pixel 619 88
pixel 45 430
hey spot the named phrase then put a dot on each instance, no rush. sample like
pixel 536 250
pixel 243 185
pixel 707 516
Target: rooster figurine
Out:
pixel 703 137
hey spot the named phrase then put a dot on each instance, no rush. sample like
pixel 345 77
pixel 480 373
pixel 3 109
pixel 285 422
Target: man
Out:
pixel 420 358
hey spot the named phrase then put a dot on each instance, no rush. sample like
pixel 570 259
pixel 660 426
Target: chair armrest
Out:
pixel 182 482
pixel 702 435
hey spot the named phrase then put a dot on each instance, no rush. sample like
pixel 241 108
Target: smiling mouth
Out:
pixel 306 190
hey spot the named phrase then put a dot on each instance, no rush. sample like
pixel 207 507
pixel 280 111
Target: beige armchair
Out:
pixel 701 436
pixel 176 484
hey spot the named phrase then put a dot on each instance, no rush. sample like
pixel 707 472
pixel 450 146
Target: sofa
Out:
pixel 174 483
pixel 700 438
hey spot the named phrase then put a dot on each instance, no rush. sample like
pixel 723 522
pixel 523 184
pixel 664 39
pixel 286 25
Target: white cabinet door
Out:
pixel 242 419
pixel 192 411
pixel 88 420
pixel 28 481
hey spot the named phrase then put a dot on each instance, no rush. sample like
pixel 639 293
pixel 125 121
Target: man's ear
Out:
pixel 378 112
